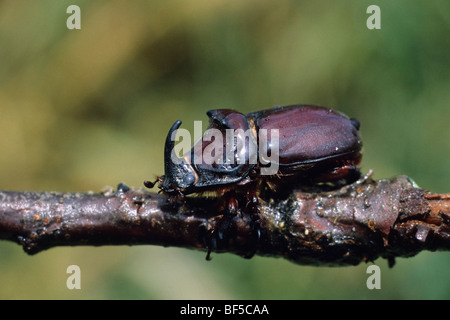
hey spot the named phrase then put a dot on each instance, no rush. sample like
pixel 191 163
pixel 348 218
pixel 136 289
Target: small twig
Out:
pixel 359 222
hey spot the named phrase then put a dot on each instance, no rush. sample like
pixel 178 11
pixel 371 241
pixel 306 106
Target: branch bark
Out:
pixel 359 222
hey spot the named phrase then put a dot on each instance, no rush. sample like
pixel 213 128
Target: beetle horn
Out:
pixel 169 146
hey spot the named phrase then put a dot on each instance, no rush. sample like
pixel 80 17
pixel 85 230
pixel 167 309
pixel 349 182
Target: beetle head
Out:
pixel 179 175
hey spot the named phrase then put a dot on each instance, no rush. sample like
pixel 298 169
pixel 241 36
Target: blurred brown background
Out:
pixel 82 109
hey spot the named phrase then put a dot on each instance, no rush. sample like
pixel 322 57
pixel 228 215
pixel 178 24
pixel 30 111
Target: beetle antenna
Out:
pixel 150 184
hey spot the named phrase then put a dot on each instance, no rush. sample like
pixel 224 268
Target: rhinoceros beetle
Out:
pixel 311 144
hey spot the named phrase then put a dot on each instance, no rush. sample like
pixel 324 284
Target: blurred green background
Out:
pixel 82 109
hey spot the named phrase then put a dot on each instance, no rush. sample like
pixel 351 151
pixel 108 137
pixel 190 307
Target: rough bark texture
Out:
pixel 359 222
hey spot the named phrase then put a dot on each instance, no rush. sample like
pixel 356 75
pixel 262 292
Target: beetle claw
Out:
pixel 209 247
pixel 256 235
pixel 218 237
pixel 253 210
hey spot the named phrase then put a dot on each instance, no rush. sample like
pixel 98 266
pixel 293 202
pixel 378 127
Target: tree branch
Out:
pixel 359 222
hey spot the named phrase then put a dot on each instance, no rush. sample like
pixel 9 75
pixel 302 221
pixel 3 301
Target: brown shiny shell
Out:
pixel 310 133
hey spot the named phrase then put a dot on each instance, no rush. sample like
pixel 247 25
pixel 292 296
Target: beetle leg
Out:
pixel 218 237
pixel 349 173
pixel 253 210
